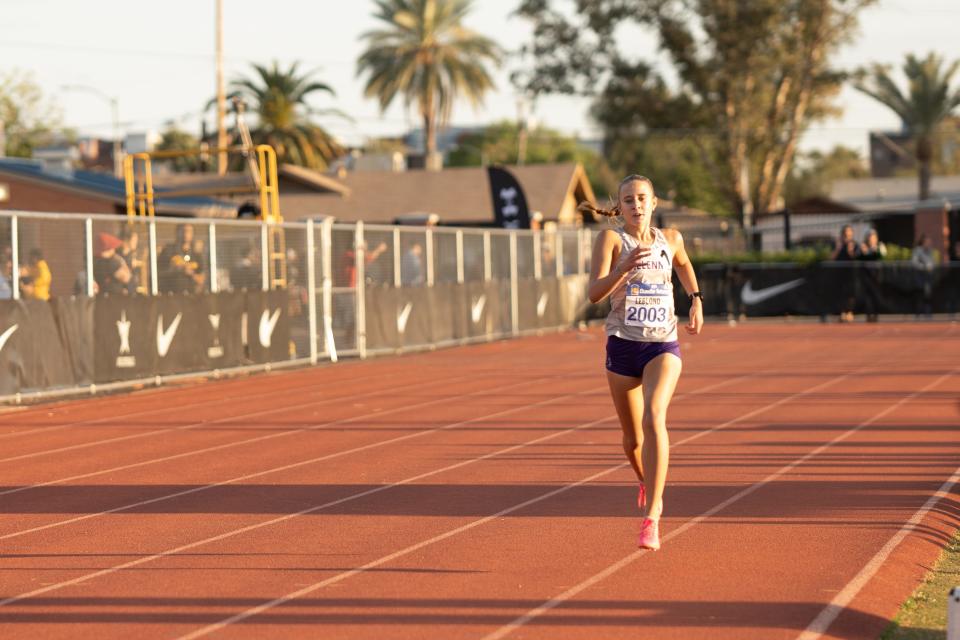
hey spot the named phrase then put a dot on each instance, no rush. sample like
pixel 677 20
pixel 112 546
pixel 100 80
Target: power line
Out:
pixel 56 46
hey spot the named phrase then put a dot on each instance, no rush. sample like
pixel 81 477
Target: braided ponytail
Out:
pixel 613 212
pixel 587 207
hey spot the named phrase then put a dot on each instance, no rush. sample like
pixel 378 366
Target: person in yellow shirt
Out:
pixel 39 271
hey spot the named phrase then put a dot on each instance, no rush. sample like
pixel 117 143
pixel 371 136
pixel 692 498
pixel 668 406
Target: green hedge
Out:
pixel 805 256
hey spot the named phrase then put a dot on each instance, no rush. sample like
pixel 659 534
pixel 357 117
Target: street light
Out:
pixel 114 113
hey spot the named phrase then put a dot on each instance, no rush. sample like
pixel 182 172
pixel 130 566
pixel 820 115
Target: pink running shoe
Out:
pixel 649 534
pixel 642 497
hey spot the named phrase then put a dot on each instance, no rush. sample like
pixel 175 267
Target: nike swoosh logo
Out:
pixel 403 316
pixel 542 304
pixel 165 338
pixel 267 323
pixel 749 295
pixel 476 309
pixel 6 335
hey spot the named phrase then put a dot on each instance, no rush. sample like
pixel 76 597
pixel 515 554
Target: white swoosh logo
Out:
pixel 165 338
pixel 403 316
pixel 267 325
pixel 6 335
pixel 542 304
pixel 749 295
pixel 476 309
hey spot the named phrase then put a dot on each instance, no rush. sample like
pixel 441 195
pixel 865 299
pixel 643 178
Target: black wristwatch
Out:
pixel 696 294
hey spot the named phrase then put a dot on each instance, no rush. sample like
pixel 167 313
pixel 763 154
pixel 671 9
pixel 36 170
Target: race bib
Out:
pixel 649 306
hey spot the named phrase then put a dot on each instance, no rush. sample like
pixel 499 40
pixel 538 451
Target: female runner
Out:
pixel 633 264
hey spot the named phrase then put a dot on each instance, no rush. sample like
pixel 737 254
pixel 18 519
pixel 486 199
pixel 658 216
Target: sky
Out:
pixel 157 61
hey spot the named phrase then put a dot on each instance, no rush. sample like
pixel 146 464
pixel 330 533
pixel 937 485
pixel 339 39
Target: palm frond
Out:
pixel 425 54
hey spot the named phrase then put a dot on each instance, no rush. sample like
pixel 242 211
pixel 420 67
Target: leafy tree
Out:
pixel 498 143
pixel 26 118
pixel 176 139
pixel 280 100
pixel 427 55
pixel 929 100
pixel 749 78
pixel 815 172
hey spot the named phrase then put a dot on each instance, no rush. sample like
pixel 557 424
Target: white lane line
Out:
pixel 237 443
pixel 476 523
pixel 187 427
pixel 826 617
pixel 229 534
pixel 329 456
pixel 613 568
pixel 157 410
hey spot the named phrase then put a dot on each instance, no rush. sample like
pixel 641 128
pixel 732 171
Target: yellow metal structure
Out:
pixel 138 178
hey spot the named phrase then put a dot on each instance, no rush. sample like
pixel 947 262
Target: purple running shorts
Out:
pixel 629 357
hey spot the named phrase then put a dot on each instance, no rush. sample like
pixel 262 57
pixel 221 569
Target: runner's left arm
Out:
pixel 688 278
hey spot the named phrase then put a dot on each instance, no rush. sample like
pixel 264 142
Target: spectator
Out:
pixel 246 273
pixel 110 272
pixel 411 268
pixel 348 263
pixel 6 278
pixel 847 249
pixel 924 261
pixel 131 255
pixel 923 256
pixel 180 265
pixel 39 273
pixel 872 248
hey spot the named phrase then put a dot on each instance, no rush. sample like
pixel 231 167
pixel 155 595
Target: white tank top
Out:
pixel 642 306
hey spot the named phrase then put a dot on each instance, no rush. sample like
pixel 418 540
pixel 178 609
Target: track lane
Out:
pixel 548 464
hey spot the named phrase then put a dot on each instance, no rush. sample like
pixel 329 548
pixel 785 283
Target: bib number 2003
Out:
pixel 646 316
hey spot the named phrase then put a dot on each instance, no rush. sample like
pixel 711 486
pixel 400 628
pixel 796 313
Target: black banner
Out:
pixel 415 315
pixel 178 325
pixel 509 202
pixel 46 362
pixel 405 317
pixel 381 316
pixel 538 303
pixel 483 308
pixel 267 326
pixel 139 336
pixel 13 325
pixel 448 302
pixel 124 347
pixel 36 351
pixel 825 289
pixel 74 316
pixel 222 336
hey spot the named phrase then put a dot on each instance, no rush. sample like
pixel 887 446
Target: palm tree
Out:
pixel 929 101
pixel 426 54
pixel 279 98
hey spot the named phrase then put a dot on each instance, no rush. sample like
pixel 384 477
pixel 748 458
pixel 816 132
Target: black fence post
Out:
pixel 787 244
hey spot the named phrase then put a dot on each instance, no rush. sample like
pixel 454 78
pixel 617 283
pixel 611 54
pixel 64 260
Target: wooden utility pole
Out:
pixel 221 96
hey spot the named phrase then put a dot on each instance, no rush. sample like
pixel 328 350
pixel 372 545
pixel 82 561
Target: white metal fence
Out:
pixel 331 268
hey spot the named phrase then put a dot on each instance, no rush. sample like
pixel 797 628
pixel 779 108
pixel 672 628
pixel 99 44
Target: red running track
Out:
pixel 480 492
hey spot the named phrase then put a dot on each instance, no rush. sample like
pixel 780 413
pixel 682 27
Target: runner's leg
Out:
pixel 660 379
pixel 627 394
